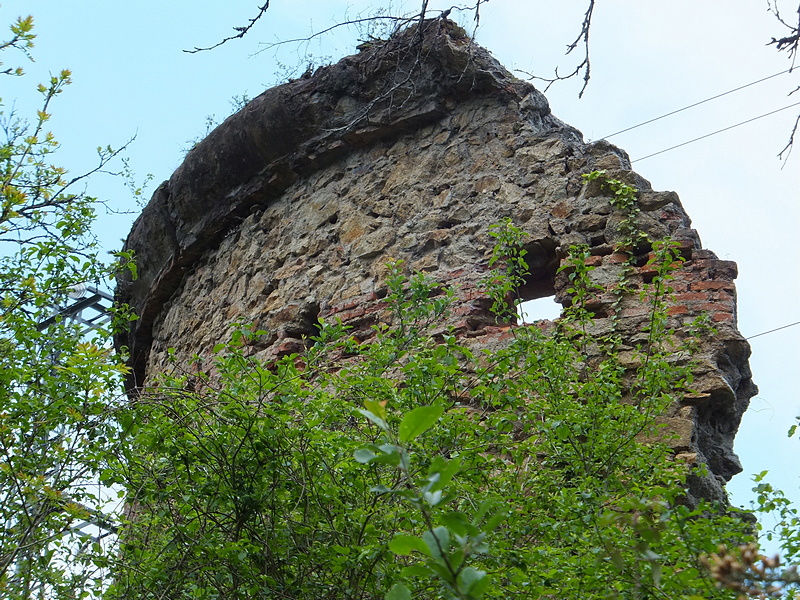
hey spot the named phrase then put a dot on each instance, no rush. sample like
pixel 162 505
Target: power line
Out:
pixel 702 137
pixel 772 330
pixel 669 114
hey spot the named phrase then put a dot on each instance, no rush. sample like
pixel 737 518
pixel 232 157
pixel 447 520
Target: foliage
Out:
pixel 410 465
pixel 54 387
pixel 624 199
pixel 510 270
pixel 746 571
pixel 21 39
pixel 744 568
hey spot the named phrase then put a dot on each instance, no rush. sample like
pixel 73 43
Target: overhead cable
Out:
pixel 669 114
pixel 772 330
pixel 702 137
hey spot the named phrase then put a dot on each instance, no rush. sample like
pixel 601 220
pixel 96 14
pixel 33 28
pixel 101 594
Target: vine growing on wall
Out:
pixel 624 199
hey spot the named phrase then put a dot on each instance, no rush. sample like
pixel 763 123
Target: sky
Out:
pixel 132 78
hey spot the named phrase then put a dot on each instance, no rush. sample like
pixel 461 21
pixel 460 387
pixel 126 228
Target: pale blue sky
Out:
pixel 132 78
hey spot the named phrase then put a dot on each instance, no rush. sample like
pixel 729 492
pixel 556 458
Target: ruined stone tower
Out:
pixel 290 209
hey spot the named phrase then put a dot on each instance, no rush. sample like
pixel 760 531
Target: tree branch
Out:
pixel 241 31
pixel 400 20
pixel 787 149
pixel 321 32
pixel 791 42
pixel 585 65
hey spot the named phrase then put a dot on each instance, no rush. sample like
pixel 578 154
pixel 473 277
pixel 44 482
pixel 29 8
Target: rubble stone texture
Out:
pixel 290 210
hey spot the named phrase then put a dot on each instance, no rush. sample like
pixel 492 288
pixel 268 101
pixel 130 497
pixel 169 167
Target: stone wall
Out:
pixel 410 150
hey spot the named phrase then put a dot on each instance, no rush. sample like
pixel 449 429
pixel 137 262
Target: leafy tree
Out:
pixel 412 465
pixel 748 571
pixel 55 384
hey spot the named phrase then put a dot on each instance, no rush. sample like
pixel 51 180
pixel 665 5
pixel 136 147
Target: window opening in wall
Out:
pixel 537 293
pixel 538 309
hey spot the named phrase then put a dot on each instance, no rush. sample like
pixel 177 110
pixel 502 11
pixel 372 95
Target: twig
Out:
pixel 242 31
pixel 788 147
pixel 316 34
pixel 585 64
pixel 790 42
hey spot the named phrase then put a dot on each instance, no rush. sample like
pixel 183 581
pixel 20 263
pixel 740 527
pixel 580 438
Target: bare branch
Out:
pixel 789 43
pixel 787 149
pixel 584 66
pixel 241 31
pixel 400 21
pixel 417 52
pixel 422 10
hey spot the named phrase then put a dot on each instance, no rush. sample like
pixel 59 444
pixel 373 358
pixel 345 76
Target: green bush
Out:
pixel 411 466
pixel 56 384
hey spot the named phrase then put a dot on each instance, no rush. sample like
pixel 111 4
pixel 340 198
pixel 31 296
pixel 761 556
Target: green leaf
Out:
pixel 374 418
pixel 456 558
pixel 364 455
pixel 616 559
pixel 376 408
pixel 405 545
pixel 444 573
pixel 418 421
pixel 493 510
pixel 389 455
pixel 458 523
pixel 417 570
pixel 656 571
pixel 649 555
pixel 433 498
pixel 437 540
pixel 442 471
pixel 398 592
pixel 473 581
